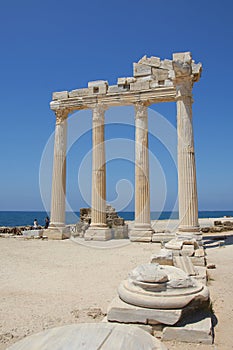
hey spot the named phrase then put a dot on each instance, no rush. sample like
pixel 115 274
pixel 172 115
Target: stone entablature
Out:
pixel 154 80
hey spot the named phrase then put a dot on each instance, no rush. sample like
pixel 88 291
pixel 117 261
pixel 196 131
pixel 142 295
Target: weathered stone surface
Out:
pixel 201 274
pixel 113 89
pixel 200 252
pixel 122 312
pixel 166 64
pixel 187 250
pixel 140 85
pixel 97 83
pixel 79 92
pixel 160 74
pixel 140 70
pixel 60 95
pixel 199 331
pixel 92 336
pixel 198 261
pixel 184 263
pixel 174 244
pixel 164 257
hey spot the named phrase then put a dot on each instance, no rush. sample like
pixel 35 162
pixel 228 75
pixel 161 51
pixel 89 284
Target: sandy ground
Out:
pixel 51 283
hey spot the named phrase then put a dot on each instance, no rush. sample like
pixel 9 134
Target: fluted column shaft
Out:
pixel 187 186
pixel 142 185
pixel 98 210
pixel 59 171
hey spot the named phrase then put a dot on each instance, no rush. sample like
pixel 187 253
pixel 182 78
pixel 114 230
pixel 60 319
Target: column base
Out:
pixel 141 233
pixel 57 233
pixel 186 232
pixel 98 234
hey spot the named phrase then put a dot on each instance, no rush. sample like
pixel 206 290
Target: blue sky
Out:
pixel 55 45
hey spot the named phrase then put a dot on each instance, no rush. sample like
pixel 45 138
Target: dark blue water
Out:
pixel 21 218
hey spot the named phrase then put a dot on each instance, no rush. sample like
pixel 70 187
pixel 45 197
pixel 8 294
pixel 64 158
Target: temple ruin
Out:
pixel 154 80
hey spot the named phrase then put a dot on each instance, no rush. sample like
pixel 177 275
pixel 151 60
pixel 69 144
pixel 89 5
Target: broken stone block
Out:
pixel 60 95
pixel 160 74
pixel 155 61
pixel 122 312
pixel 164 257
pixel 187 250
pixel 183 57
pixel 113 89
pixel 199 331
pixel 141 70
pixel 184 263
pixel 200 252
pixel 174 244
pixel 79 92
pixel 198 261
pixel 97 83
pixel 166 64
pixel 101 89
pixel 145 85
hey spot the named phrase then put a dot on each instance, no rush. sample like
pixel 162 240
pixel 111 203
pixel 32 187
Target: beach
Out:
pixel 44 284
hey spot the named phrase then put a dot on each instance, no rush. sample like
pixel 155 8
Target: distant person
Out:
pixel 35 224
pixel 46 222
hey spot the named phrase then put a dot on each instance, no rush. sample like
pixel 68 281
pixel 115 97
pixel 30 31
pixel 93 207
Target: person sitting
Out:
pixel 35 224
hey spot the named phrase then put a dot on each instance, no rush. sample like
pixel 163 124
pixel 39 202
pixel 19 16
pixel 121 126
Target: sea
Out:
pixel 24 218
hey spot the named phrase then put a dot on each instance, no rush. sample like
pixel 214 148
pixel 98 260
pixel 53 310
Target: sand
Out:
pixel 44 284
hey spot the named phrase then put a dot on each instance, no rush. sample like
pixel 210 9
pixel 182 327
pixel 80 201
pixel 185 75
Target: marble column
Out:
pixel 187 185
pixel 142 230
pixel 98 229
pixel 57 222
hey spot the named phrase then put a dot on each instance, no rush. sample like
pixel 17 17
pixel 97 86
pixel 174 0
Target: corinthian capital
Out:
pixel 140 110
pixel 61 115
pixel 98 112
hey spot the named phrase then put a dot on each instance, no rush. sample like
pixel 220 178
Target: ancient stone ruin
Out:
pixel 153 81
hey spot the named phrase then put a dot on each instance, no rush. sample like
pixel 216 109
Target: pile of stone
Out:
pixel 219 226
pixel 112 217
pixel 16 230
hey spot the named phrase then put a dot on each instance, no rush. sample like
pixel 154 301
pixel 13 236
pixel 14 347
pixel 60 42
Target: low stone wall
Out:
pixel 17 230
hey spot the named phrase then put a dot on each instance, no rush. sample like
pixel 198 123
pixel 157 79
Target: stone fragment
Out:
pixel 122 312
pixel 187 250
pixel 184 263
pixel 164 257
pixel 160 74
pixel 201 274
pixel 183 57
pixel 140 86
pixel 166 64
pixel 125 81
pixel 141 70
pixel 155 61
pixel 198 261
pixel 97 83
pixel 79 92
pixel 60 95
pixel 162 237
pixel 113 89
pixel 199 331
pixel 200 252
pixel 174 244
